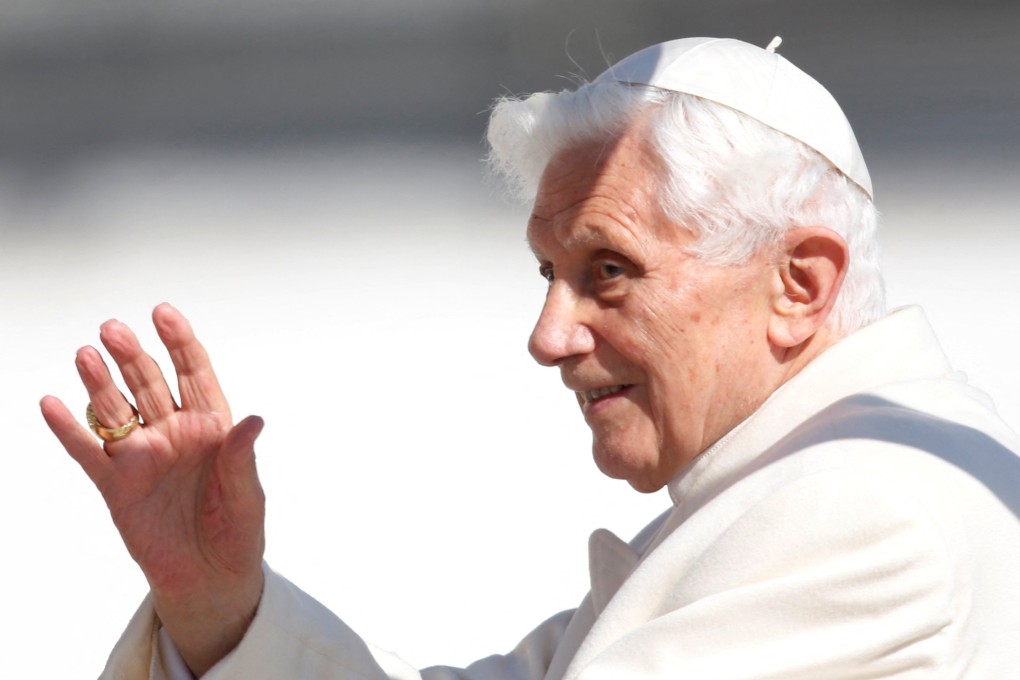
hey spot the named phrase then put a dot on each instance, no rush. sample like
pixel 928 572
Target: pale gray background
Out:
pixel 303 179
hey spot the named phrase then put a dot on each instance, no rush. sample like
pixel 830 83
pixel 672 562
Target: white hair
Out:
pixel 737 184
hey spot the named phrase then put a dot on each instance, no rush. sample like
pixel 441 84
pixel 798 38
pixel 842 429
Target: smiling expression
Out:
pixel 665 352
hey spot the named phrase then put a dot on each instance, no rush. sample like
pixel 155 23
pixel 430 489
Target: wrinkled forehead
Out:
pixel 597 187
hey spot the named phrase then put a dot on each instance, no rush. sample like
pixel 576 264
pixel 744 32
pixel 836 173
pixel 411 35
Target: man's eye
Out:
pixel 546 271
pixel 604 271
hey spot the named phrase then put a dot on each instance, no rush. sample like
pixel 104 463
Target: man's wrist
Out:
pixel 205 627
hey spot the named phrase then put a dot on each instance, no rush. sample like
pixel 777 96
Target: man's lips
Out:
pixel 589 396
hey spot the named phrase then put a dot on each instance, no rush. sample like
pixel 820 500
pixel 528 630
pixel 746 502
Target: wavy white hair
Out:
pixel 737 184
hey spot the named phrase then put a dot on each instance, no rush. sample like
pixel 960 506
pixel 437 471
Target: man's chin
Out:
pixel 614 466
pixel 645 486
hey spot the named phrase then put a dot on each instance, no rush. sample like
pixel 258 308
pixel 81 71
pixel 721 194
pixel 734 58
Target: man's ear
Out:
pixel 810 267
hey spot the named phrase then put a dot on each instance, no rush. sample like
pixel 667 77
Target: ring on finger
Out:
pixel 110 434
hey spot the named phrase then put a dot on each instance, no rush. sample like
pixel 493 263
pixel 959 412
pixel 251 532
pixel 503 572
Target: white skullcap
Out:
pixel 756 82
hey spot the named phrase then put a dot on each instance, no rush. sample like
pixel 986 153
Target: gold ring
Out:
pixel 108 434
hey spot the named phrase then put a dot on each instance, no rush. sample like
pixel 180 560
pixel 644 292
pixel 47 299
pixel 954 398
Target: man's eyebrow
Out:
pixel 534 217
pixel 534 249
pixel 589 236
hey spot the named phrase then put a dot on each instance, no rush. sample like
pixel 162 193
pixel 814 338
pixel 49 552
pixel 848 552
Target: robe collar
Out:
pixel 900 346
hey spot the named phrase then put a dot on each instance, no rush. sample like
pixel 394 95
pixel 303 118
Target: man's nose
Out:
pixel 561 332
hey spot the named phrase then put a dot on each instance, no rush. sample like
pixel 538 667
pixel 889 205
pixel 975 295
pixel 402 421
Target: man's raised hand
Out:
pixel 182 488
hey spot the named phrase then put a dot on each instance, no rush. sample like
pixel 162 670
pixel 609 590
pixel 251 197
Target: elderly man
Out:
pixel 844 504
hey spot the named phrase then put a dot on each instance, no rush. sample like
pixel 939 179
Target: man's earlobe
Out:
pixel 809 274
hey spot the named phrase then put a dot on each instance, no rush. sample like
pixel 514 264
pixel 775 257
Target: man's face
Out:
pixel 664 352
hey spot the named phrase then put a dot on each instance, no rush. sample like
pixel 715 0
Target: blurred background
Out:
pixel 304 180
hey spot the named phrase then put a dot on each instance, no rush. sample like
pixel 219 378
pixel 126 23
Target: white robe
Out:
pixel 863 523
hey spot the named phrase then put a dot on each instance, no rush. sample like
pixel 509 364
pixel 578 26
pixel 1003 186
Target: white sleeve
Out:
pixel 170 660
pixel 293 635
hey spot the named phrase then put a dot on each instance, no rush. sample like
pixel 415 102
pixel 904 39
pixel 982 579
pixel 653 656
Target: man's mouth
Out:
pixel 594 395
